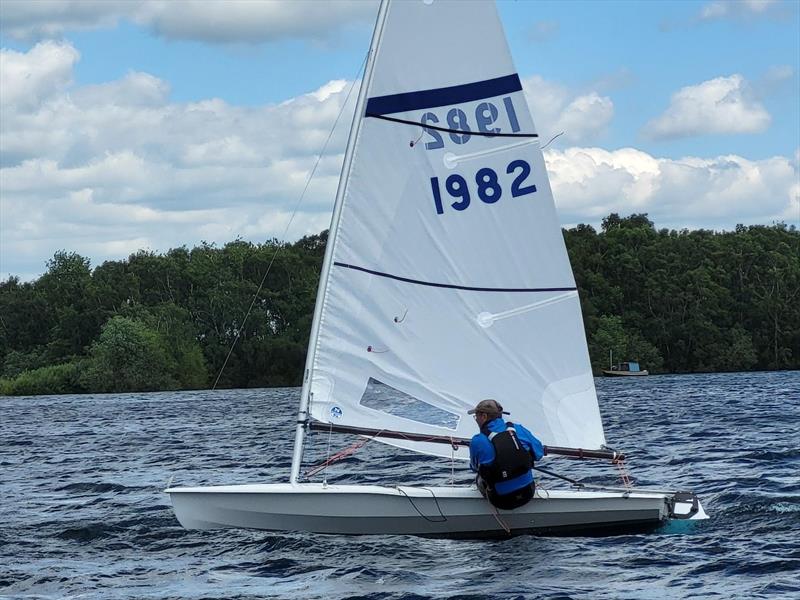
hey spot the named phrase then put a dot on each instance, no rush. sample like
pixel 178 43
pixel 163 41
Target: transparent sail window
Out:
pixel 379 396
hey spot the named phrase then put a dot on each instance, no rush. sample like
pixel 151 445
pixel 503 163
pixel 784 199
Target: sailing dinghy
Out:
pixel 445 281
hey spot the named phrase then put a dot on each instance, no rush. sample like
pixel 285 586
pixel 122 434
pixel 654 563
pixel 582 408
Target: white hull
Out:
pixel 432 511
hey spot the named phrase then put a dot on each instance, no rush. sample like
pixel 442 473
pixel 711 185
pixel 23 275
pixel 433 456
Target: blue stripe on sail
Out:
pixel 452 286
pixel 385 105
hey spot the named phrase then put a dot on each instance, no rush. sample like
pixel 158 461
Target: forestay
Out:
pixel 449 280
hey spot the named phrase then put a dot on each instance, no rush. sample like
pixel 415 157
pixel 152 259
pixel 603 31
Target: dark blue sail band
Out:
pixel 448 130
pixel 457 94
pixel 452 286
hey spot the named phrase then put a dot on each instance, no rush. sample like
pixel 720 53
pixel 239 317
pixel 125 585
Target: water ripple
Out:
pixel 83 513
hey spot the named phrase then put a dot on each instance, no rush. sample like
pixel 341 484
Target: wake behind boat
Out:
pixel 445 280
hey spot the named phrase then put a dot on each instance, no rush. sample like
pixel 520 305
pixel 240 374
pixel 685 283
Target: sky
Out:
pixel 131 125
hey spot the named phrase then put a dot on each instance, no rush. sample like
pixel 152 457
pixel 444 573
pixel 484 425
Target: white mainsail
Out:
pixel 448 280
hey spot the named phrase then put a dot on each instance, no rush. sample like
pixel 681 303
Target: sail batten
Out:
pixel 429 127
pixel 454 286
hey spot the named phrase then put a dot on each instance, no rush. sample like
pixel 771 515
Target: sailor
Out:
pixel 502 455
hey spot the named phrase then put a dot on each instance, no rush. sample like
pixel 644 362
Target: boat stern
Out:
pixel 686 506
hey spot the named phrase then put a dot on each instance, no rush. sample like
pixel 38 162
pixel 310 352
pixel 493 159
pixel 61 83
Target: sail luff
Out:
pixel 302 413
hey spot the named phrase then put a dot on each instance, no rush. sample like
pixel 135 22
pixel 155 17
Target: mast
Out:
pixel 302 413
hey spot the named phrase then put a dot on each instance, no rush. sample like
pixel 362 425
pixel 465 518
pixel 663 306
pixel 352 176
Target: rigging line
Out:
pixel 419 512
pixel 350 450
pixel 289 223
pixel 448 130
pixel 453 449
pixel 540 489
pixel 574 482
pixel 496 515
pixel 550 140
pixel 623 473
pixel 328 455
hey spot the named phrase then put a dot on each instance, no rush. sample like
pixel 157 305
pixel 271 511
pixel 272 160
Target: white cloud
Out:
pixel 214 21
pixel 778 79
pixel 779 74
pixel 718 106
pixel 740 9
pixel 135 89
pixel 582 117
pixel 744 12
pixel 704 192
pixel 105 170
pixel 29 78
pixel 543 31
pixel 91 167
pixel 246 21
pixel 26 19
pixel 230 150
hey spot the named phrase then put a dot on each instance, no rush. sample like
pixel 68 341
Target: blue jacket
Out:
pixel 481 452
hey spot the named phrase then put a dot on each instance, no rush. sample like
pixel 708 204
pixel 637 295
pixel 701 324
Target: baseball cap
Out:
pixel 489 407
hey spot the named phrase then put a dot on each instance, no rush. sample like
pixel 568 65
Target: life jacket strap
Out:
pixel 509 427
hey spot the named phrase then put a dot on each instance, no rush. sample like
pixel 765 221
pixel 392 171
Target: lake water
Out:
pixel 82 513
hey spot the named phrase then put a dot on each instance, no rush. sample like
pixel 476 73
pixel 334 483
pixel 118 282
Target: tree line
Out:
pixel 676 301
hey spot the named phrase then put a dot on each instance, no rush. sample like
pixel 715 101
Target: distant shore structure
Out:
pixel 625 369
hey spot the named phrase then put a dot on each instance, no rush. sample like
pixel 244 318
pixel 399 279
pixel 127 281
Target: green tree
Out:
pixel 739 354
pixel 72 306
pixel 178 336
pixel 612 339
pixel 53 379
pixel 25 327
pixel 678 301
pixel 128 357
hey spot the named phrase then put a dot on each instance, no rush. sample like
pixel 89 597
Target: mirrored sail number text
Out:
pixel 485 117
pixel 488 186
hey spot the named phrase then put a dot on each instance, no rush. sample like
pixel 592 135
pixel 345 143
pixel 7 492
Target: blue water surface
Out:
pixel 82 513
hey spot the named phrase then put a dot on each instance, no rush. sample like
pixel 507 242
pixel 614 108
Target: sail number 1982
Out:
pixel 488 186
